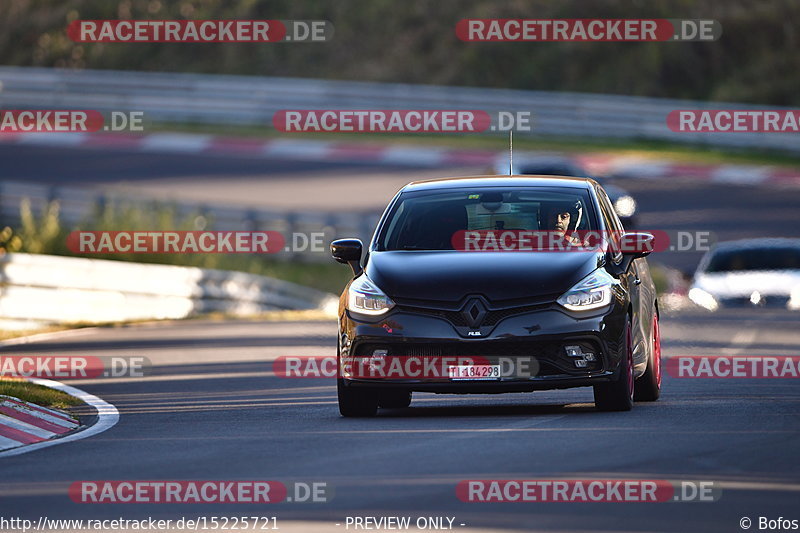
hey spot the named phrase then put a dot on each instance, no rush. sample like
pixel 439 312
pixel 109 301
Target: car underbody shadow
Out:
pixel 475 409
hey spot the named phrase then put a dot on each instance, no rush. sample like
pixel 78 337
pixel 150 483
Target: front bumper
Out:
pixel 529 347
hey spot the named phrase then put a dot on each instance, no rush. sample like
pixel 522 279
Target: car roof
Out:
pixel 526 180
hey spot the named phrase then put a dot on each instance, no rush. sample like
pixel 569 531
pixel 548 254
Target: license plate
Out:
pixel 473 372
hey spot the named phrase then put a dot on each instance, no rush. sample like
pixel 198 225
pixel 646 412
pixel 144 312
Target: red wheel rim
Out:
pixel 630 360
pixel 657 350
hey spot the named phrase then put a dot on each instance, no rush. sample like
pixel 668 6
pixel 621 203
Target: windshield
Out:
pixel 766 258
pixel 429 221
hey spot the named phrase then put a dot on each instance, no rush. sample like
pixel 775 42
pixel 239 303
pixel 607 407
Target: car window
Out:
pixel 613 224
pixel 429 221
pixel 610 214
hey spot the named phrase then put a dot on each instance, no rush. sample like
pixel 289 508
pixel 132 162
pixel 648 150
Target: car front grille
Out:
pixel 457 318
pixel 550 356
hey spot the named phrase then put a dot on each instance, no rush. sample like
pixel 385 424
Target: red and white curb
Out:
pixel 626 167
pixel 28 423
pixel 402 155
pixel 25 427
pixel 303 149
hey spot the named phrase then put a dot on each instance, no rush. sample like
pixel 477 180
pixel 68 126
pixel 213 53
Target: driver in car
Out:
pixel 562 219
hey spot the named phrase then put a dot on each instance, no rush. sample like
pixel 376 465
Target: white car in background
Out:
pixel 749 273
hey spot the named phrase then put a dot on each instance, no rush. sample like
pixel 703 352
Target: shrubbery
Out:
pixel 45 233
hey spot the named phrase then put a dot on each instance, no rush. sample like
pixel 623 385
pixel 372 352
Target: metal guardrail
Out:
pixel 77 205
pixel 251 100
pixel 41 289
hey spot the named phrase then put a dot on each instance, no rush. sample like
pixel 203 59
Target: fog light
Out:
pixel 377 359
pixel 573 351
pixel 580 363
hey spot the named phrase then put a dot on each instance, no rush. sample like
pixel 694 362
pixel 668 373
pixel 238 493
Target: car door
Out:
pixel 639 284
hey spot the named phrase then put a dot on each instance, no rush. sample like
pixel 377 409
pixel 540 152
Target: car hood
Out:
pixel 738 284
pixel 452 275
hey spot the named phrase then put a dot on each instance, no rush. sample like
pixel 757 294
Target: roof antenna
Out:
pixel 510 152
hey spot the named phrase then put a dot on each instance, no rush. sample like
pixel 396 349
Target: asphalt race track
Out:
pixel 212 409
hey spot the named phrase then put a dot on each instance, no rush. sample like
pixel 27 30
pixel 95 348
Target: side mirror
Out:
pixel 631 246
pixel 348 251
pixel 637 244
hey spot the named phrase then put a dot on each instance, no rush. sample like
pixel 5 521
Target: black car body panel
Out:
pixel 498 305
pixel 500 275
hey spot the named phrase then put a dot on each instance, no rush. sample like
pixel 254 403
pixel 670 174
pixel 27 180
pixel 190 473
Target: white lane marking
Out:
pixel 404 155
pixel 185 377
pixel 30 429
pixel 107 417
pixel 175 142
pixel 292 148
pixel 50 138
pixel 741 340
pixel 632 167
pixel 740 174
pixel 39 337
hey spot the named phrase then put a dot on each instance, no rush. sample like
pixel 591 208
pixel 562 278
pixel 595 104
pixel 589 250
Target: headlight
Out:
pixel 703 298
pixel 366 298
pixel 592 292
pixel 625 206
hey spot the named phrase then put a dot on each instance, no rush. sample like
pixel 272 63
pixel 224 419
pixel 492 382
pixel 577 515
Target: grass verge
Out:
pixel 14 333
pixel 44 396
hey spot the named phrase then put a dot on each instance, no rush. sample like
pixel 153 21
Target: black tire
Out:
pixel 356 402
pixel 394 399
pixel 648 387
pixel 617 395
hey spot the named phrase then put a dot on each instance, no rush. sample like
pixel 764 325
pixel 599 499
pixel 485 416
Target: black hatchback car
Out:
pixel 448 300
